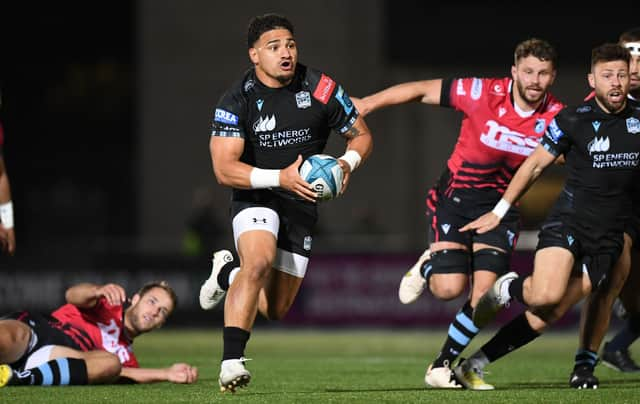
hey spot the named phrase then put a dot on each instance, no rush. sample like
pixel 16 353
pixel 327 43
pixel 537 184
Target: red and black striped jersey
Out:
pixel 99 327
pixel 494 138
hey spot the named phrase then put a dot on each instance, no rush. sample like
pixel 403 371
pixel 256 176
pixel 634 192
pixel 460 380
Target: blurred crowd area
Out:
pixel 106 114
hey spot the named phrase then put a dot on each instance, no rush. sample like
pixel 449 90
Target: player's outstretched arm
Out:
pixel 526 175
pixel 182 373
pixel 86 295
pixel 425 91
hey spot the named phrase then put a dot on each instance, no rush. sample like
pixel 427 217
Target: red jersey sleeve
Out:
pixel 464 93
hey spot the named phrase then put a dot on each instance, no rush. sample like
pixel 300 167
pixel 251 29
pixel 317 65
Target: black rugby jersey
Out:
pixel 277 124
pixel 602 154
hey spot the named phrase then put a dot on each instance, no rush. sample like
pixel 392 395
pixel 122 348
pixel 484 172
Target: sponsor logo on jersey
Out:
pixel 248 85
pixel 598 149
pixel 445 228
pixel 596 125
pixel 583 109
pixel 460 88
pixel 501 111
pixel 303 99
pixel 283 138
pixel 324 89
pixel 306 244
pixel 633 125
pixel 225 117
pixel 110 334
pixel 554 133
pixel 598 144
pixel 259 104
pixel 344 100
pixel 265 124
pixel 476 89
pixel 540 125
pixel 502 138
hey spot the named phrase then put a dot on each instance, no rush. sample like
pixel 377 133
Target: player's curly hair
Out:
pixel 263 23
pixel 538 48
pixel 164 285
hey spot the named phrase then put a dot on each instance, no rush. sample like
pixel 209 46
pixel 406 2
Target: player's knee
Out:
pixel 104 368
pixel 490 259
pixel 545 298
pixel 257 268
pixel 445 288
pixel 276 313
pixel 13 334
pixel 448 273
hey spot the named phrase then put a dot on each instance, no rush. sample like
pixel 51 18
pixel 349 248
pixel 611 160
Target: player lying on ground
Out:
pixel 89 340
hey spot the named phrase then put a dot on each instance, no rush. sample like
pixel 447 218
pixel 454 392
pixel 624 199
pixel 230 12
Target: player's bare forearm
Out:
pixel 426 91
pixel 359 139
pixel 5 188
pixel 177 373
pixel 528 173
pixel 86 295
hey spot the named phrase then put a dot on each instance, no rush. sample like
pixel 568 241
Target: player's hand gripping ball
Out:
pixel 324 174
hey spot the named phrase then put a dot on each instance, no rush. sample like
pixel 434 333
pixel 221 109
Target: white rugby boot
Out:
pixel 413 283
pixel 442 378
pixel 233 374
pixel 210 292
pixel 493 301
pixel 471 377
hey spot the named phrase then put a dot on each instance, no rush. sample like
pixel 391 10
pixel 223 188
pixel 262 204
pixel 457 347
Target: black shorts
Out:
pixel 46 330
pixel 450 209
pixel 596 256
pixel 297 217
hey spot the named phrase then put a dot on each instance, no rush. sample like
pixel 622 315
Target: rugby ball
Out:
pixel 324 174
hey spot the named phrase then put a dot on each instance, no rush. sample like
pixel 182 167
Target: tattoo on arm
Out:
pixel 351 133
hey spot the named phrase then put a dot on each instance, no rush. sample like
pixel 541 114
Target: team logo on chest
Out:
pixel 633 125
pixel 540 124
pixel 303 99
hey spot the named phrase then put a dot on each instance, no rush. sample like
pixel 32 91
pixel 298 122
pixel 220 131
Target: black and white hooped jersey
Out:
pixel 602 154
pixel 277 124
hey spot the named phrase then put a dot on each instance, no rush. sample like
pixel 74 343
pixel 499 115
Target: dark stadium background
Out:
pixel 106 109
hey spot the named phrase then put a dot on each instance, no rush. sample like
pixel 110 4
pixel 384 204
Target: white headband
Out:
pixel 634 48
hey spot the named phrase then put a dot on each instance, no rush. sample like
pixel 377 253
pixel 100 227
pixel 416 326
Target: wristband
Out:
pixel 501 208
pixel 352 158
pixel 261 178
pixel 6 215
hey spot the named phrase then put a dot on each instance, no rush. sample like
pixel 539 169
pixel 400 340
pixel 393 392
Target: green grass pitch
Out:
pixel 367 366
